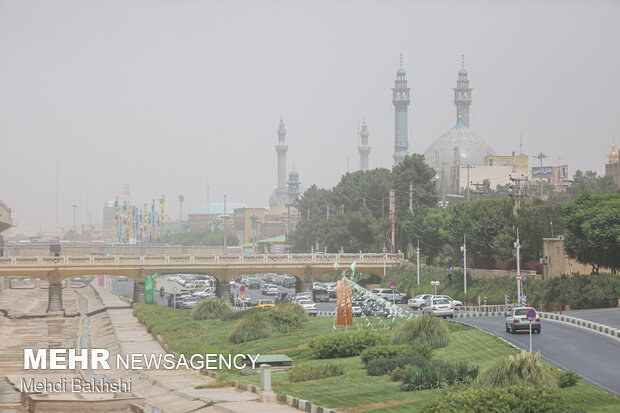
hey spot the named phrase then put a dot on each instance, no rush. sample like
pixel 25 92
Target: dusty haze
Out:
pixel 167 95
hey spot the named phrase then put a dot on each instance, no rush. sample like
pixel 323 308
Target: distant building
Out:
pixel 519 163
pixel 248 224
pixel 279 197
pixel 612 168
pixel 555 175
pixel 495 175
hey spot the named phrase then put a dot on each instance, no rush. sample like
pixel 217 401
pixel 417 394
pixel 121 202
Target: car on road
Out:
pixel 417 301
pixel 301 296
pixel 517 320
pixel 188 302
pixel 440 307
pixel 270 289
pixel 390 295
pixel 378 309
pixel 455 303
pixel 309 306
pixel 266 304
pixel 320 296
pixel 332 290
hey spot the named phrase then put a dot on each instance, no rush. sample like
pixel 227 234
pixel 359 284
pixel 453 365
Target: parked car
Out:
pixel 320 296
pixel 332 290
pixel 253 284
pixel 301 296
pixel 266 304
pixel 517 320
pixel 205 292
pixel 390 295
pixel 309 306
pixel 440 307
pixel 174 301
pixel 455 303
pixel 378 309
pixel 188 302
pixel 270 289
pixel 283 297
pixel 417 301
pixel 356 310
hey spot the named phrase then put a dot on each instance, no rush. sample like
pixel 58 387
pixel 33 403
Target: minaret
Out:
pixel 293 185
pixel 400 99
pixel 364 149
pixel 281 148
pixel 613 156
pixel 462 96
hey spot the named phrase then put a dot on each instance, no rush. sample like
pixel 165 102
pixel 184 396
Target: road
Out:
pixel 593 356
pixel 607 316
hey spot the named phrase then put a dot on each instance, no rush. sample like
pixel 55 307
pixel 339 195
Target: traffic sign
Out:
pixel 523 299
pixel 523 277
pixel 519 277
pixel 242 296
pixel 175 290
pixel 242 288
pixel 393 285
pixel 507 298
pixel 531 315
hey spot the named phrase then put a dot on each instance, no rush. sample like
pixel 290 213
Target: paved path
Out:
pixel 168 390
pixel 593 356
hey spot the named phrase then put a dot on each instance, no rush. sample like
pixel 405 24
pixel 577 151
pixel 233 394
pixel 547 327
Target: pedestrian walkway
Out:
pixel 119 332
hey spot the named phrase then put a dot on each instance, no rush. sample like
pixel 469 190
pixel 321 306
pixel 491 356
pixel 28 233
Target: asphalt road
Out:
pixel 607 316
pixel 594 357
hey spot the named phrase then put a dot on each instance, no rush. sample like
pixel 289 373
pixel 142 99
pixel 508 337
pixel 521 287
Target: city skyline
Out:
pixel 167 111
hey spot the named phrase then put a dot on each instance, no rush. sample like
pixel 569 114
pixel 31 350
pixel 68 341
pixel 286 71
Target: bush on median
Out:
pixel 438 375
pixel 322 371
pixel 381 366
pixel 389 351
pixel 210 309
pixel 344 343
pixel 522 369
pixel 523 399
pixel 250 328
pixel 425 329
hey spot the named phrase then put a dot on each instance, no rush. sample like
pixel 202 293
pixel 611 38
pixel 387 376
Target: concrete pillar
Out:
pixel 54 302
pixel 223 290
pixel 265 377
pixel 37 283
pixel 139 292
pixel 266 394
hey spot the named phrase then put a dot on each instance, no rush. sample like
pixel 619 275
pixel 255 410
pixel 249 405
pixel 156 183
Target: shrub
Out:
pixel 398 374
pixel 209 309
pixel 284 320
pixel 425 329
pixel 381 366
pixel 437 375
pixel 238 315
pixel 394 350
pixel 519 398
pixel 568 378
pixel 344 343
pixel 294 308
pixel 322 371
pixel 524 368
pixel 252 327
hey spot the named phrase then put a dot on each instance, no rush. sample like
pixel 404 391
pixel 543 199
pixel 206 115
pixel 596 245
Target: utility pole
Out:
pixel 327 215
pixel 342 209
pixel 478 185
pixel 181 199
pixel 382 208
pixel 418 257
pixel 517 187
pixel 464 249
pixel 393 215
pixel 57 194
pixel 518 247
pixel 468 182
pixel 541 156
pixel 225 227
pixel 411 196
pixel 74 228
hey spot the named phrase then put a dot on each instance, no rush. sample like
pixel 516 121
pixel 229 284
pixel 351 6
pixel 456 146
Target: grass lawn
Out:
pixel 354 391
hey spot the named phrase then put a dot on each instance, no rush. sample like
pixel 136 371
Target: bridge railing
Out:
pixel 79 260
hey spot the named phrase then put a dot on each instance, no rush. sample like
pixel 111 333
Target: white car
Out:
pixel 417 301
pixel 309 306
pixel 270 289
pixel 440 307
pixel 455 303
pixel 205 292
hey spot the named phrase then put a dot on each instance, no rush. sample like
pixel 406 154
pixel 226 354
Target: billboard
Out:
pixel 544 171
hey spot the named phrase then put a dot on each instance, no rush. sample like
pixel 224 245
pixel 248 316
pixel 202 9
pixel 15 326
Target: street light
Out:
pixel 74 228
pixel 435 283
pixel 181 199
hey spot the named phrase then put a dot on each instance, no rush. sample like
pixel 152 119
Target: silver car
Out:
pixel 517 320
pixel 440 307
pixel 188 302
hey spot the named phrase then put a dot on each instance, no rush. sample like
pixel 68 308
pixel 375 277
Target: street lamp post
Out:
pixel 181 199
pixel 74 228
pixel 435 284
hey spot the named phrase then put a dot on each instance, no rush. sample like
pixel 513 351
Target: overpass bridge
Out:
pixel 223 267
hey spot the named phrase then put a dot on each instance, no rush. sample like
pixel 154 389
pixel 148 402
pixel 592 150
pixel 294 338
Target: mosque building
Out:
pixel 364 149
pixel 459 146
pixel 612 168
pixel 400 99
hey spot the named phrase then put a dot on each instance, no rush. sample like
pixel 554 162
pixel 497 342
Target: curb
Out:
pixel 599 328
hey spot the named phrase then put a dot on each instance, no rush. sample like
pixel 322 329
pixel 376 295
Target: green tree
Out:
pixel 593 230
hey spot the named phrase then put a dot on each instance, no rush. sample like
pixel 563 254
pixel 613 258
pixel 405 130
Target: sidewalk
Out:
pixel 168 390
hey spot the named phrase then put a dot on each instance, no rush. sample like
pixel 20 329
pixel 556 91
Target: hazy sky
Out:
pixel 167 95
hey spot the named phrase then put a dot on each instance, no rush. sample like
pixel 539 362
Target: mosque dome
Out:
pixel 471 148
pixel 218 208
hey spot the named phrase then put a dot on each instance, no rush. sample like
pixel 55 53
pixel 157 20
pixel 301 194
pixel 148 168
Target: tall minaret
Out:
pixel 364 149
pixel 281 148
pixel 400 99
pixel 462 96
